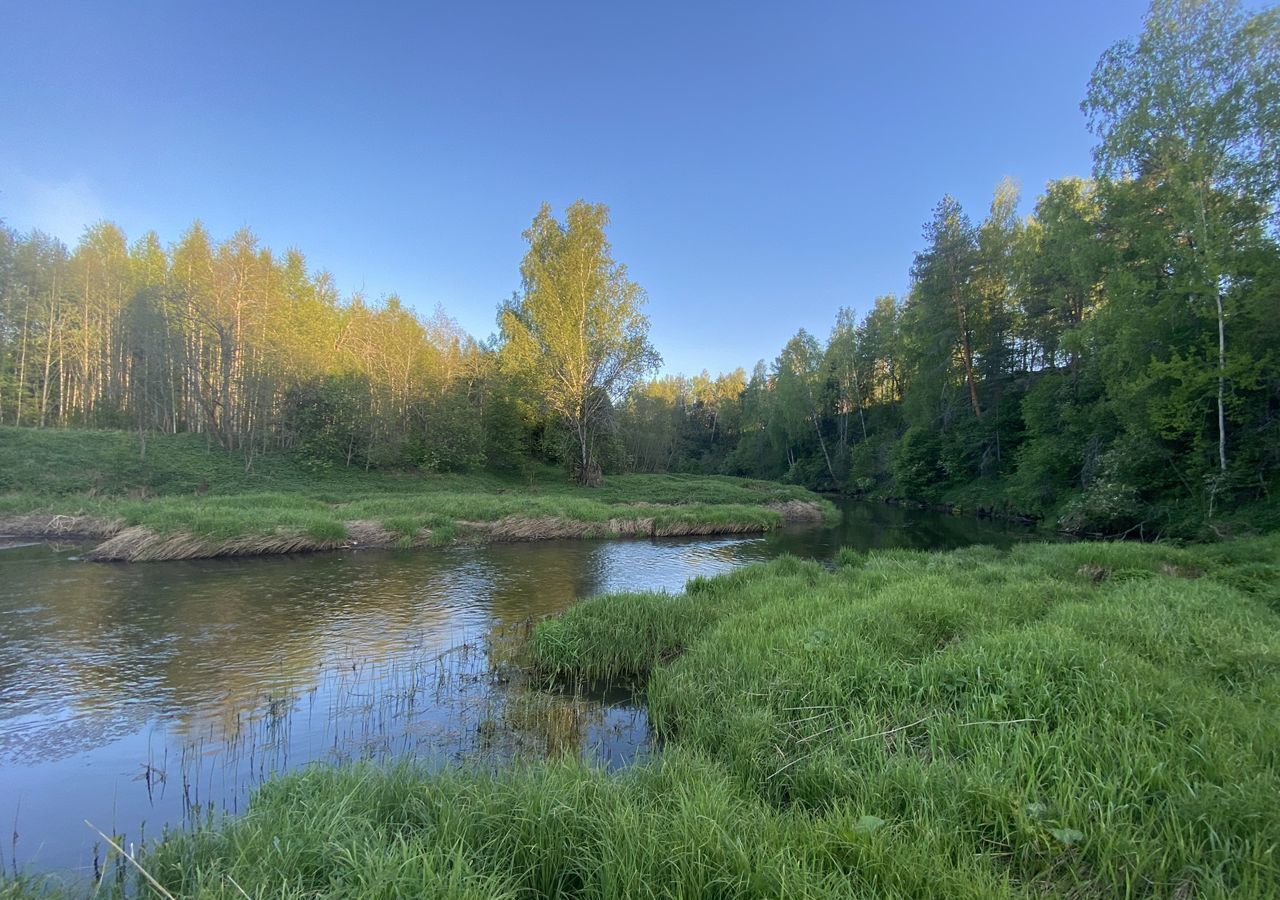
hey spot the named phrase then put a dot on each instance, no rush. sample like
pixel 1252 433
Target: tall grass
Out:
pixel 1082 719
pixel 677 827
pixel 1088 720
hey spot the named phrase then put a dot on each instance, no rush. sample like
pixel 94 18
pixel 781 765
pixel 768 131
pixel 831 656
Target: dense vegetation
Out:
pixel 1107 363
pixel 258 354
pixel 1083 720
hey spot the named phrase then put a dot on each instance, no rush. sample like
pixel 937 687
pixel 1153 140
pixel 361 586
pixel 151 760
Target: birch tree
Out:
pixel 1197 98
pixel 577 333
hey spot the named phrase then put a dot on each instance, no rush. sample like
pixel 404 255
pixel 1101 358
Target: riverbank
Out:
pixel 181 499
pixel 1071 720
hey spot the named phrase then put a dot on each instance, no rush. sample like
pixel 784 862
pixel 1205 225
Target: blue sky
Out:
pixel 765 164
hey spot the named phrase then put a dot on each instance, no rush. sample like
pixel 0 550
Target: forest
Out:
pixel 1106 363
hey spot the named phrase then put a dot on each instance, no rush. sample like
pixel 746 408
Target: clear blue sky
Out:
pixel 765 163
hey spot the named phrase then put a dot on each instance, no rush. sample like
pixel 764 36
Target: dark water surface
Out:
pixel 140 696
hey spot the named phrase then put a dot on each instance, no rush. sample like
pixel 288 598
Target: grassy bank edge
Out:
pixel 183 498
pixel 183 533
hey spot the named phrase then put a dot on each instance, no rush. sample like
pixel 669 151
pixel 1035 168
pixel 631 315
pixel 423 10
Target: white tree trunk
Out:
pixel 1222 387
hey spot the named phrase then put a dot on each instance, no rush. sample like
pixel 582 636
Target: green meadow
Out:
pixel 180 484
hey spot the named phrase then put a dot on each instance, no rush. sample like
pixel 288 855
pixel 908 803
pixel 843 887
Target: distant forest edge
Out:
pixel 1110 363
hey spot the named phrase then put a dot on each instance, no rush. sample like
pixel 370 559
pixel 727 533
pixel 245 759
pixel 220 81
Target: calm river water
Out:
pixel 145 696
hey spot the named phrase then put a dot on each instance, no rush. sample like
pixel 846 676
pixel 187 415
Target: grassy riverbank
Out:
pixel 1083 720
pixel 183 499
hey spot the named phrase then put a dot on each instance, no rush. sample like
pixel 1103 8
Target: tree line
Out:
pixel 259 353
pixel 1111 360
pixel 227 339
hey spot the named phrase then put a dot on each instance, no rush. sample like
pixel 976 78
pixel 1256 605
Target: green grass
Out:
pixel 1072 720
pixel 182 484
pixel 1090 719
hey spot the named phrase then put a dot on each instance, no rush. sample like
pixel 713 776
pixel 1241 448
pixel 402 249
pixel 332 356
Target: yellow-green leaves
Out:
pixel 577 333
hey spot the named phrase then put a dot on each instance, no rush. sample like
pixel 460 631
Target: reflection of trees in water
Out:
pixel 202 645
pixel 465 703
pixel 199 642
pixel 537 579
pixel 361 616
pixel 878 526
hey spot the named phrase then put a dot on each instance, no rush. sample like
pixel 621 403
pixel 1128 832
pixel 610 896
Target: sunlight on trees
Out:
pixel 576 335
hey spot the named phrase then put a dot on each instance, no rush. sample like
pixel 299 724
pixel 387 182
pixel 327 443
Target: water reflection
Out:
pixel 152 693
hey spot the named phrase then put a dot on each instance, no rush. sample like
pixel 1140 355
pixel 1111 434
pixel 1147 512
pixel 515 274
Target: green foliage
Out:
pixel 1200 80
pixel 449 436
pixel 917 462
pixel 326 416
pixel 1108 364
pixel 577 335
pixel 1105 507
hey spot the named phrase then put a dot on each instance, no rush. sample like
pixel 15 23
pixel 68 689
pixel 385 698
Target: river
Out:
pixel 145 696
